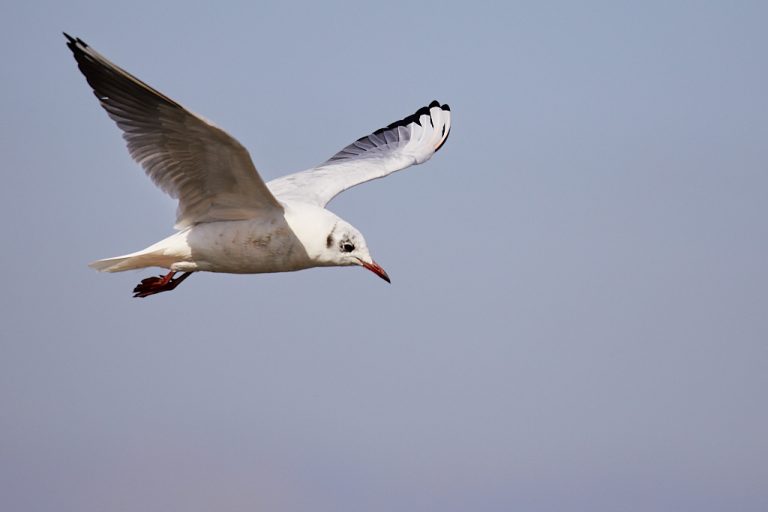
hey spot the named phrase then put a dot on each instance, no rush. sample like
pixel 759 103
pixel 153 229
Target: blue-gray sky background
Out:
pixel 577 319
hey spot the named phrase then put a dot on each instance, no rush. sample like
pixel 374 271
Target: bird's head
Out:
pixel 328 240
pixel 345 246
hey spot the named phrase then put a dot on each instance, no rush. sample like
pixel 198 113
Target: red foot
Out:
pixel 153 285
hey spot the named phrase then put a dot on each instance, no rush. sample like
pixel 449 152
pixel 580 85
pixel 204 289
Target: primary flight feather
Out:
pixel 228 219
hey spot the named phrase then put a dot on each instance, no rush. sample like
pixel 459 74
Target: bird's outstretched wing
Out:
pixel 410 141
pixel 206 169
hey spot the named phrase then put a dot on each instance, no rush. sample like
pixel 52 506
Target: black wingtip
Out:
pixel 74 42
pixel 71 41
pixel 413 118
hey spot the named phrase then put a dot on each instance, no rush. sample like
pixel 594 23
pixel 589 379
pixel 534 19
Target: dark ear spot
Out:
pixel 329 241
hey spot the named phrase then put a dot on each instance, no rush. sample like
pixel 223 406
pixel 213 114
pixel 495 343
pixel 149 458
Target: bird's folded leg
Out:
pixel 153 285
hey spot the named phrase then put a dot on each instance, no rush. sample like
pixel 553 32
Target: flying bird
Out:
pixel 229 220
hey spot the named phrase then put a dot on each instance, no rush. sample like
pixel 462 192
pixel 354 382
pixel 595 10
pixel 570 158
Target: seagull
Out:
pixel 228 219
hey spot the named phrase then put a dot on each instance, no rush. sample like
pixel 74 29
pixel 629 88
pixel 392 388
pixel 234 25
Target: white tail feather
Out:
pixel 163 254
pixel 131 262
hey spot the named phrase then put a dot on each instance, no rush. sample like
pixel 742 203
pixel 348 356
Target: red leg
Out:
pixel 153 285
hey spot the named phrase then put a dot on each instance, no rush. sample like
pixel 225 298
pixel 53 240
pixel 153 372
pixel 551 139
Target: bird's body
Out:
pixel 282 242
pixel 229 220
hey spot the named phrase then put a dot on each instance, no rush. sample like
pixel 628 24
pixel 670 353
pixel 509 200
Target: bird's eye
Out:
pixel 347 247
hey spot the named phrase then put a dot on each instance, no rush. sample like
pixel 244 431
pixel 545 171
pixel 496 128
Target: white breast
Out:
pixel 246 247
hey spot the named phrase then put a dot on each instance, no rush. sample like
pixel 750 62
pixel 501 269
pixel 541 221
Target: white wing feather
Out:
pixel 207 170
pixel 407 142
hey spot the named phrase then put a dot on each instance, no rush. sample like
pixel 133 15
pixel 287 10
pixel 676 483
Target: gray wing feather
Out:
pixel 207 170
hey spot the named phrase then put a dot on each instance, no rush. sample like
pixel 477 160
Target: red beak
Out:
pixel 376 269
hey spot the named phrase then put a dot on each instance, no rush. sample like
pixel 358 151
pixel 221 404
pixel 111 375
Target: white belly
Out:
pixel 242 247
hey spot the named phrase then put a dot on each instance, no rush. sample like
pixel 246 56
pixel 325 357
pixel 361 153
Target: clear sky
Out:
pixel 577 317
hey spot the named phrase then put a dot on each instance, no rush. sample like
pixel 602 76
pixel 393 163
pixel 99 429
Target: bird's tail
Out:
pixel 131 261
pixel 163 254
